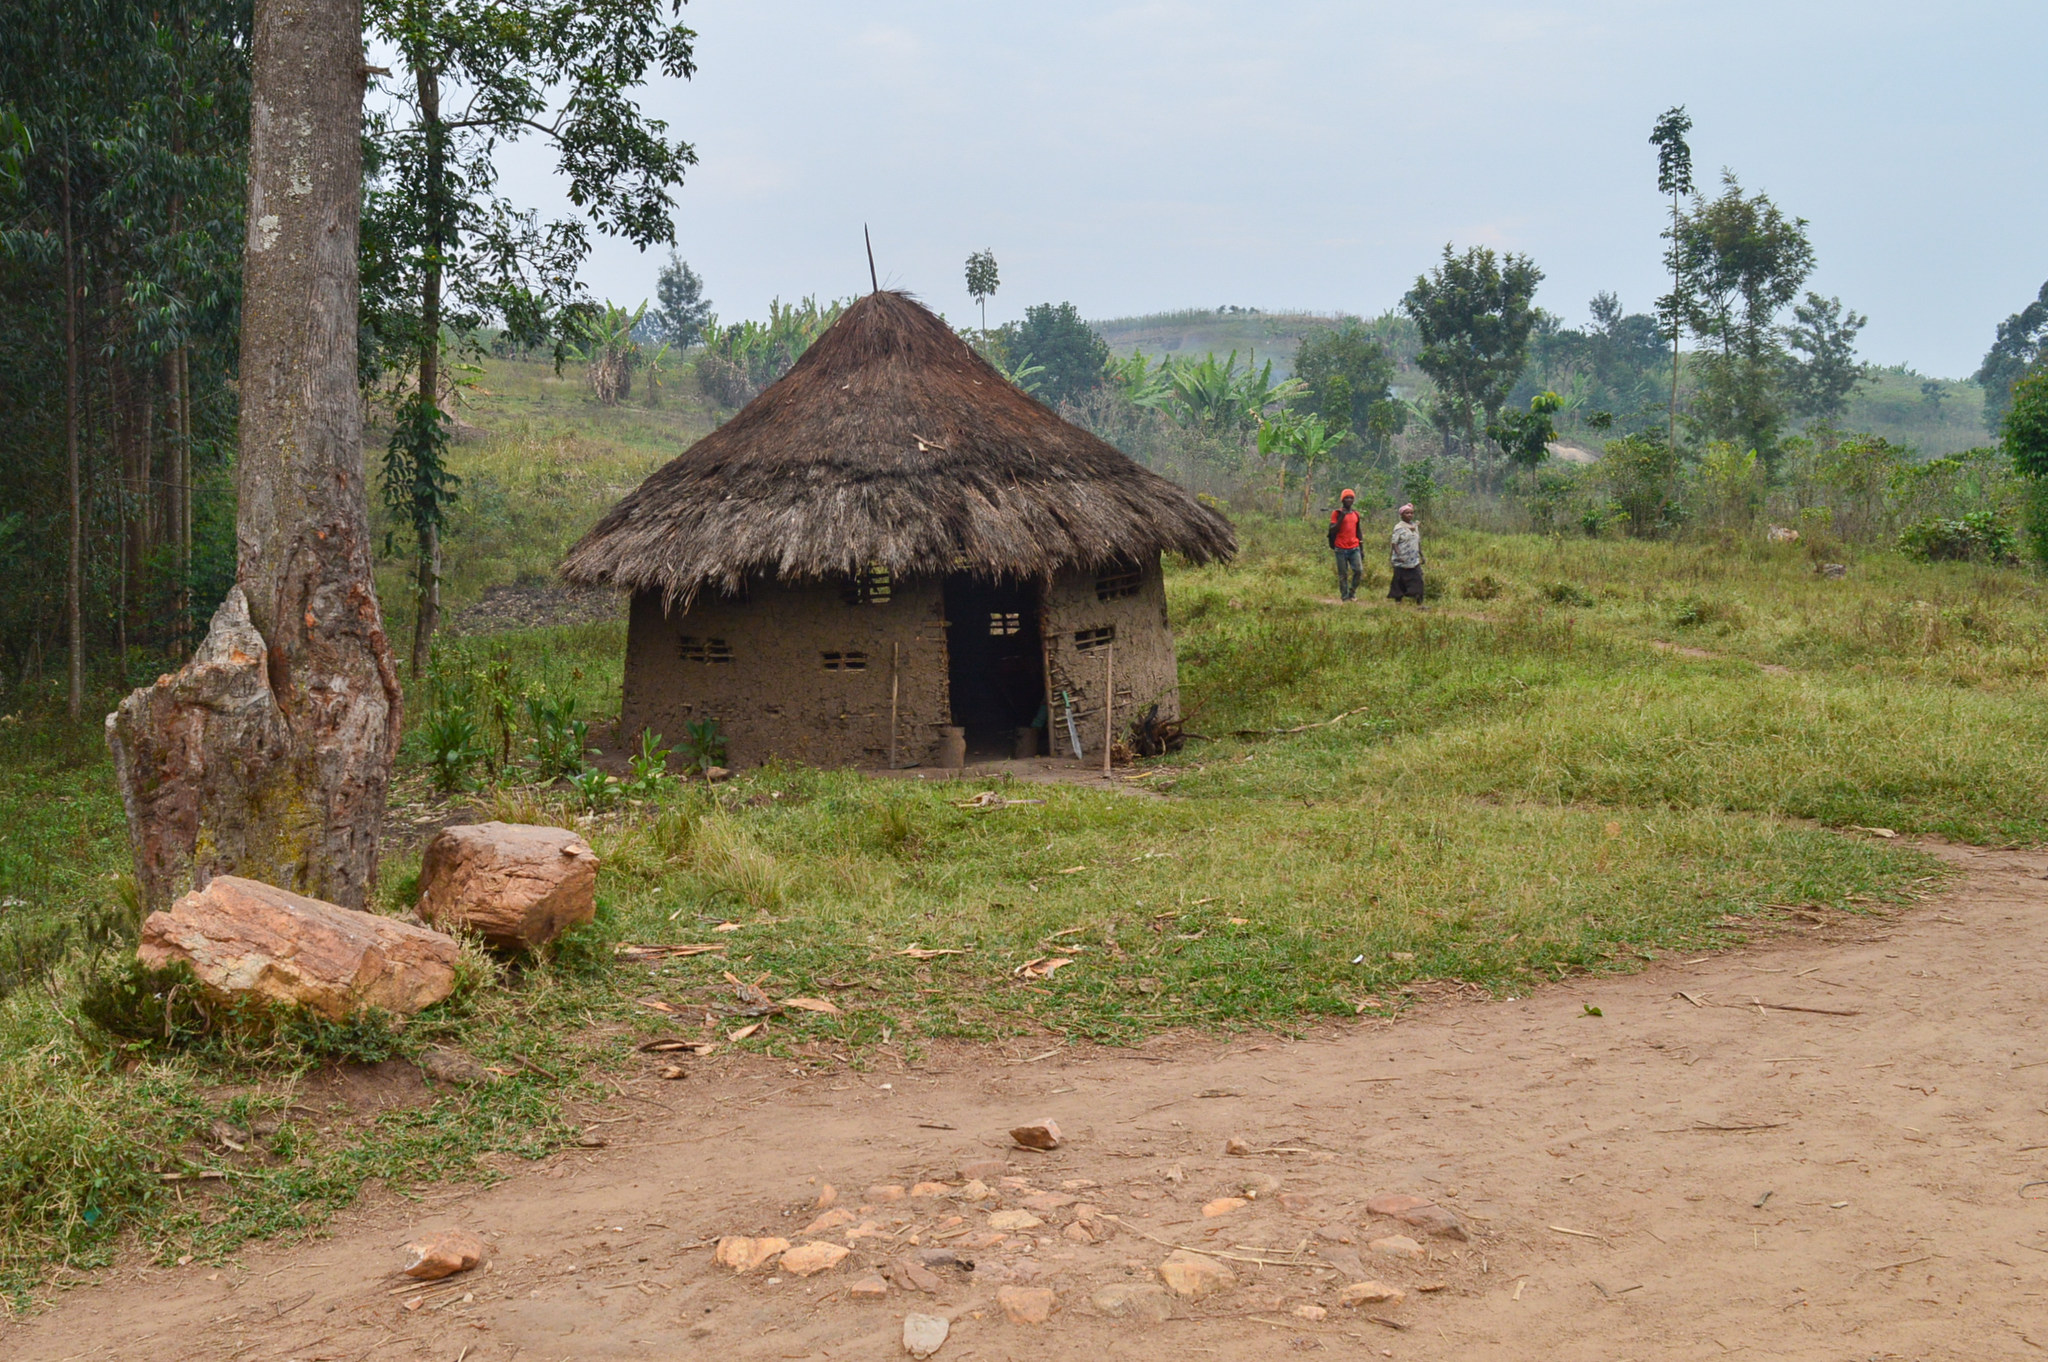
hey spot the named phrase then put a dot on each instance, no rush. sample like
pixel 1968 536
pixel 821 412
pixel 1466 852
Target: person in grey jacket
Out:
pixel 1406 555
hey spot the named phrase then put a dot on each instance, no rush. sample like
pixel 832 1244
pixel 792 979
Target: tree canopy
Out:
pixel 1475 313
pixel 1054 337
pixel 2021 344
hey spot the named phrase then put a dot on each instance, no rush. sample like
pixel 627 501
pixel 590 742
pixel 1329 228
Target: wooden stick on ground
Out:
pixel 1108 703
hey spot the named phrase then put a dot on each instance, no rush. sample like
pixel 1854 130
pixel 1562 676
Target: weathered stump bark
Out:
pixel 306 800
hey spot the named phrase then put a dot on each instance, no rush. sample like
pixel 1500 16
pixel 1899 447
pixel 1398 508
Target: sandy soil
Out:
pixel 1697 1173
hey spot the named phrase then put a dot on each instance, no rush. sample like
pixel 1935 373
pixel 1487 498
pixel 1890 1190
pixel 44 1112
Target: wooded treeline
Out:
pixel 124 129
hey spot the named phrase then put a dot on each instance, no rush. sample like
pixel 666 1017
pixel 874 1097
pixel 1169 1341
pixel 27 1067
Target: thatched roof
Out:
pixel 890 442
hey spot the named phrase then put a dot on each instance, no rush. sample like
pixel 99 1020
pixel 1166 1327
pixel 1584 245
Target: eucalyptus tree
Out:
pixel 447 250
pixel 1674 177
pixel 2020 345
pixel 982 281
pixel 1821 373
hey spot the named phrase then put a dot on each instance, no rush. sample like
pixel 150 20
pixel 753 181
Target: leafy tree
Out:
pixel 1824 373
pixel 2021 344
pixel 1348 373
pixel 1743 261
pixel 683 309
pixel 2025 428
pixel 1054 337
pixel 1524 436
pixel 1475 312
pixel 1674 177
pixel 982 279
pixel 449 252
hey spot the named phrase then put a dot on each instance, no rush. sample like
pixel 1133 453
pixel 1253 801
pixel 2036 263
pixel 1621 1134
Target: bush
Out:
pixel 453 752
pixel 559 737
pixel 1564 593
pixel 1979 537
pixel 1484 587
pixel 1696 611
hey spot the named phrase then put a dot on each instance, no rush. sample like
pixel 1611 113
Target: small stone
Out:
pixel 974 1190
pixel 1256 1185
pixel 983 1169
pixel 1079 1233
pixel 1236 1145
pixel 983 1241
pixel 868 1288
pixel 1038 1135
pixel 1370 1293
pixel 1297 1203
pixel 744 1255
pixel 884 1193
pixel 1310 1312
pixel 1223 1205
pixel 1134 1300
pixel 444 1254
pixel 826 1196
pixel 1048 1201
pixel 1347 1262
pixel 1335 1234
pixel 1191 1276
pixel 1420 1212
pixel 805 1259
pixel 924 1335
pixel 717 773
pixel 1012 1221
pixel 1432 1286
pixel 452 1066
pixel 931 1189
pixel 828 1222
pixel 1397 1246
pixel 914 1276
pixel 944 1257
pixel 1025 1304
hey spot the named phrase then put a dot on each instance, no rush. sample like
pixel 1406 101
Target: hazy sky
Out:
pixel 1136 157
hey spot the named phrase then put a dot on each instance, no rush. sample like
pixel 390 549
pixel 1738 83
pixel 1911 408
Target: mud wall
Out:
pixel 799 672
pixel 1131 605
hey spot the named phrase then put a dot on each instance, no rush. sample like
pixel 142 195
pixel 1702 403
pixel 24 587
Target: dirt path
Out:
pixel 1848 1182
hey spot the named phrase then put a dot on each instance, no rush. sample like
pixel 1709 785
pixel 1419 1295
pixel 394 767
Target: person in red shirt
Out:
pixel 1346 544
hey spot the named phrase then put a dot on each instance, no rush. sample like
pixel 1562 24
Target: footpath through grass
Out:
pixel 1528 788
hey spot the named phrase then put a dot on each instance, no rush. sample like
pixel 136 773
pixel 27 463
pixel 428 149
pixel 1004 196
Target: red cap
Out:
pixel 1347 492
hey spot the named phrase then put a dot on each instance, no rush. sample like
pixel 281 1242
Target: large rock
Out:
pixel 518 886
pixel 245 939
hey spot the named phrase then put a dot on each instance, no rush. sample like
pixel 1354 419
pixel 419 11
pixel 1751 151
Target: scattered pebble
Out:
pixel 1038 1135
pixel 1025 1304
pixel 1223 1205
pixel 924 1335
pixel 1191 1276
pixel 744 1255
pixel 1011 1221
pixel 868 1288
pixel 1371 1293
pixel 1397 1246
pixel 1310 1312
pixel 816 1256
pixel 1134 1300
pixel 444 1254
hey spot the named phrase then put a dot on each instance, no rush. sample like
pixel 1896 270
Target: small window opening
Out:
pixel 869 587
pixel 1088 640
pixel 708 650
pixel 1116 585
pixel 1002 623
pixel 846 662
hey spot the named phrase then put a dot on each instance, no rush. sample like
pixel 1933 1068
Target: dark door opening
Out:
pixel 994 663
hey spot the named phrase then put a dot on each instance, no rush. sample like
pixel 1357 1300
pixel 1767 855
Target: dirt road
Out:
pixel 1679 1177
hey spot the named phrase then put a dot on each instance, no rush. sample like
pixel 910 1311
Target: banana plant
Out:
pixel 1307 439
pixel 1023 375
pixel 1142 385
pixel 603 340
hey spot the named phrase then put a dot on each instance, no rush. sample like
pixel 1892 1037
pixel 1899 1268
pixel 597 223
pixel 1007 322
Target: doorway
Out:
pixel 994 663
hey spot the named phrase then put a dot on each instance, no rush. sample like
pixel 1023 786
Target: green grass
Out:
pixel 1528 789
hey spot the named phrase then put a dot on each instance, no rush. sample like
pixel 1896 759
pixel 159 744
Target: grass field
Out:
pixel 1585 754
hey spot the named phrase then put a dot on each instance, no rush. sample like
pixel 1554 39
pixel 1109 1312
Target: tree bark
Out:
pixel 74 621
pixel 269 755
pixel 427 611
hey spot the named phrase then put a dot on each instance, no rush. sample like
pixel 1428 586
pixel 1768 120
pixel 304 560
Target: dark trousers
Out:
pixel 1350 571
pixel 1407 582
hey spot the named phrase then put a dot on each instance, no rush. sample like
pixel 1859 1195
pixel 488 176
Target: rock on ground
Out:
pixel 1370 1293
pixel 817 1256
pixel 1420 1212
pixel 924 1335
pixel 517 885
pixel 1397 1246
pixel 244 939
pixel 1192 1276
pixel 1038 1135
pixel 1134 1300
pixel 443 1255
pixel 1025 1304
pixel 744 1255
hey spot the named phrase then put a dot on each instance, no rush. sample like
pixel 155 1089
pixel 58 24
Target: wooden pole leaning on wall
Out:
pixel 1108 705
pixel 895 676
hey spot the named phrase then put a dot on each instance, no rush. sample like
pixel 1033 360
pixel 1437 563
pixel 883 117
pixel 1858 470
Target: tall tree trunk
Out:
pixel 269 754
pixel 1671 429
pixel 427 612
pixel 74 621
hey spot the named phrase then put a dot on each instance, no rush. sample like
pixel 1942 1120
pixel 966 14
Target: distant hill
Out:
pixel 1200 331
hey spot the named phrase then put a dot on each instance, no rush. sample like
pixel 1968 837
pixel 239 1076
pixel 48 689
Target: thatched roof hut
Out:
pixel 892 454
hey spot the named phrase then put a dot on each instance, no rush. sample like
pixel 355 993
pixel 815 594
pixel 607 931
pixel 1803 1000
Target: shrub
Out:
pixel 1564 593
pixel 1979 537
pixel 452 749
pixel 650 778
pixel 703 745
pixel 559 737
pixel 1484 587
pixel 1696 611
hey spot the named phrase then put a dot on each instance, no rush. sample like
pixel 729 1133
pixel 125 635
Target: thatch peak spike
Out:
pixel 930 458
